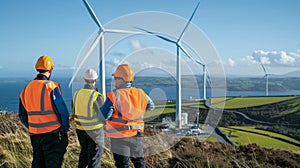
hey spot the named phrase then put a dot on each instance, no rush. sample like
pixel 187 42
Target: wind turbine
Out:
pixel 99 39
pixel 178 65
pixel 204 77
pixel 267 79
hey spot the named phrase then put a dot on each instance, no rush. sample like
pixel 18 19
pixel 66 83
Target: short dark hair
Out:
pixel 42 71
pixel 89 80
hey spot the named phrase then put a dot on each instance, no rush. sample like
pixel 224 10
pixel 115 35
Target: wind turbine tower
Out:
pixel 267 79
pixel 178 65
pixel 204 78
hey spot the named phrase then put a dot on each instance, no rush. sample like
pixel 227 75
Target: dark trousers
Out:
pixel 48 149
pixel 128 148
pixel 91 144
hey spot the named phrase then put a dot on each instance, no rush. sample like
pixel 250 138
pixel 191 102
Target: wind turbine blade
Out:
pixel 157 35
pixel 263 67
pixel 92 13
pixel 188 23
pixel 123 31
pixel 93 46
pixel 199 62
pixel 208 80
pixel 187 54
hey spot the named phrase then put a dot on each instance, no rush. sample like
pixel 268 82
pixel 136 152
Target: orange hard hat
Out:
pixel 44 63
pixel 125 72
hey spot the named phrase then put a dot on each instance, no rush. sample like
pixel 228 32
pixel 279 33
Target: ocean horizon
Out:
pixel 10 89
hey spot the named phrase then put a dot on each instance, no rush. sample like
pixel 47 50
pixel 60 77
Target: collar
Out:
pixel 90 86
pixel 41 77
pixel 126 85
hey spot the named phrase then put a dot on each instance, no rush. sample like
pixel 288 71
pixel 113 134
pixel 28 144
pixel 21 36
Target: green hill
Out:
pixel 249 135
pixel 15 151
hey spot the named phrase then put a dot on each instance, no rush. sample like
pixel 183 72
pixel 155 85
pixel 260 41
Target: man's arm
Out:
pixel 61 109
pixel 106 110
pixel 150 104
pixel 23 114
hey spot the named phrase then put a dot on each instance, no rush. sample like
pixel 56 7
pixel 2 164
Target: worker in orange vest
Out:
pixel 89 128
pixel 124 111
pixel 43 111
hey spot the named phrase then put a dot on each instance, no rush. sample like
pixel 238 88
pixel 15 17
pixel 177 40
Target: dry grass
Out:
pixel 15 151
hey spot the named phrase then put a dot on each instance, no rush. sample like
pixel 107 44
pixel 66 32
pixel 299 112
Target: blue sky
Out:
pixel 244 33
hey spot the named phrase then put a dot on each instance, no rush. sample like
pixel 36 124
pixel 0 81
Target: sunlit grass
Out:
pixel 15 151
pixel 271 134
pixel 242 102
pixel 244 138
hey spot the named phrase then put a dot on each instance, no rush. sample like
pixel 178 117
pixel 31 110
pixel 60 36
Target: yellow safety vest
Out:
pixel 85 117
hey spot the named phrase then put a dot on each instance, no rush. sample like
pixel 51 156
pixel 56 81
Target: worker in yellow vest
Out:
pixel 124 111
pixel 43 111
pixel 89 128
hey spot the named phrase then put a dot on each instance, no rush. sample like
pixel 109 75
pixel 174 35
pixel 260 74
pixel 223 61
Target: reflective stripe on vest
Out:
pixel 130 127
pixel 85 117
pixel 120 118
pixel 38 104
pixel 127 118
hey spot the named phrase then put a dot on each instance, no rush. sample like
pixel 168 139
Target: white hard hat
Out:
pixel 90 74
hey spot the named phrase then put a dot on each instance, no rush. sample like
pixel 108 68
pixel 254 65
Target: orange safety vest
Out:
pixel 128 115
pixel 36 100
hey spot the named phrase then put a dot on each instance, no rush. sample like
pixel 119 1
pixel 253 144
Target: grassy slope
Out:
pixel 283 108
pixel 243 138
pixel 243 102
pixel 15 151
pixel 273 109
pixel 250 135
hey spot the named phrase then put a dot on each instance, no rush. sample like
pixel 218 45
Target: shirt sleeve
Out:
pixel 150 104
pixel 98 103
pixel 72 106
pixel 23 114
pixel 106 110
pixel 61 109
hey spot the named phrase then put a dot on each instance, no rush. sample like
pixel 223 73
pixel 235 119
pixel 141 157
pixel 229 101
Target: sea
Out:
pixel 10 89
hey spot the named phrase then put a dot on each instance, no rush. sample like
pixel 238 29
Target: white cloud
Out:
pixel 136 45
pixel 274 58
pixel 295 54
pixel 285 59
pixel 259 53
pixel 276 62
pixel 249 60
pixel 265 60
pixel 116 61
pixel 231 62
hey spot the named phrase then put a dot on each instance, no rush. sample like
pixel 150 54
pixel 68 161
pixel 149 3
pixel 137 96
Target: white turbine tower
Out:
pixel 267 79
pixel 204 77
pixel 178 65
pixel 99 39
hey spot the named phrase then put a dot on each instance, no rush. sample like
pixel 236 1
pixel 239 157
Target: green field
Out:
pixel 282 109
pixel 159 111
pixel 243 102
pixel 249 135
pixel 233 103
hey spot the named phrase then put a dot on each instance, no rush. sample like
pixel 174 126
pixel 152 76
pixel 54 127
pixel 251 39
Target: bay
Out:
pixel 10 89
